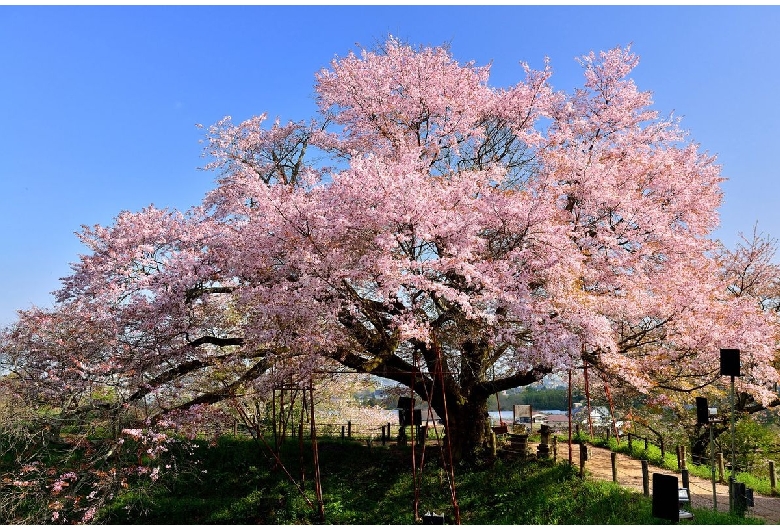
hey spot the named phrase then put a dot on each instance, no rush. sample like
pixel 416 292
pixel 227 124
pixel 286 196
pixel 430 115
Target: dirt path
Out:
pixel 629 474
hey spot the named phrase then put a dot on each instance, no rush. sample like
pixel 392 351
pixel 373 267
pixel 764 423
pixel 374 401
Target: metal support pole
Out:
pixel 712 467
pixel 733 452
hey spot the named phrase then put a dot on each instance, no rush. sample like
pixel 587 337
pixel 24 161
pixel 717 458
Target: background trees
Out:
pixel 427 228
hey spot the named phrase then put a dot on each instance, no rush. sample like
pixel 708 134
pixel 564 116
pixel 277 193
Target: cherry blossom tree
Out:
pixel 427 228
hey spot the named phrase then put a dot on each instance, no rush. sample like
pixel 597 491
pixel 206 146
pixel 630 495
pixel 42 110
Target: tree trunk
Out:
pixel 466 428
pixel 700 445
pixel 456 389
pixel 700 440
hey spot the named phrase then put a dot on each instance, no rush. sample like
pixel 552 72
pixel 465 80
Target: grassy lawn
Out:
pixel 237 482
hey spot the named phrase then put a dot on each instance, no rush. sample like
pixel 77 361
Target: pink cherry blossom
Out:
pixel 423 217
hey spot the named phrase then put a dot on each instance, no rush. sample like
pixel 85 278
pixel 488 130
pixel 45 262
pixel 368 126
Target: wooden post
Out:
pixel 679 464
pixel 583 458
pixel 772 477
pixel 721 468
pixel 683 459
pixel 686 483
pixel 555 449
pixel 645 479
pixel 613 456
pixel 645 443
pixel 630 442
pixel 342 433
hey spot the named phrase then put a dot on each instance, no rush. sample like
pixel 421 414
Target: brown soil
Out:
pixel 629 474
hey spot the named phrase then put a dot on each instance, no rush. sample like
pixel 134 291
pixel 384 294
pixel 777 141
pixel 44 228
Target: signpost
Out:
pixel 729 365
pixel 707 415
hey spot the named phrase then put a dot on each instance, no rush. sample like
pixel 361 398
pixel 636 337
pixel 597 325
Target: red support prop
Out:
pixel 317 479
pixel 587 399
pixel 412 440
pixel 451 470
pixel 612 412
pixel 570 459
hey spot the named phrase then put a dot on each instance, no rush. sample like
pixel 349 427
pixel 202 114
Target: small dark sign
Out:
pixel 666 497
pixel 702 411
pixel 404 417
pixel 405 402
pixel 729 362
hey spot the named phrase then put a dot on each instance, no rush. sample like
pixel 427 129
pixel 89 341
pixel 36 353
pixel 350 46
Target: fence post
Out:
pixel 721 467
pixel 613 456
pixel 645 443
pixel 683 459
pixel 772 477
pixel 342 433
pixel 686 479
pixel 630 442
pixel 583 458
pixel 555 449
pixel 645 479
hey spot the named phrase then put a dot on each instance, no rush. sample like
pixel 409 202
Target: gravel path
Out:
pixel 629 474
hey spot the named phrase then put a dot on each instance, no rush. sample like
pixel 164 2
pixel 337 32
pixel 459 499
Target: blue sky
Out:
pixel 98 105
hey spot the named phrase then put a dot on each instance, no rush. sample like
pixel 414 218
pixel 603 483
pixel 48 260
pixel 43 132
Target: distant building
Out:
pixel 557 422
pixel 600 418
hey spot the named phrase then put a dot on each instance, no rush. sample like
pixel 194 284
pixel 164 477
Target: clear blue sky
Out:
pixel 98 105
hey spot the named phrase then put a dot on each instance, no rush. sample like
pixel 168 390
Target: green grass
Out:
pixel 241 485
